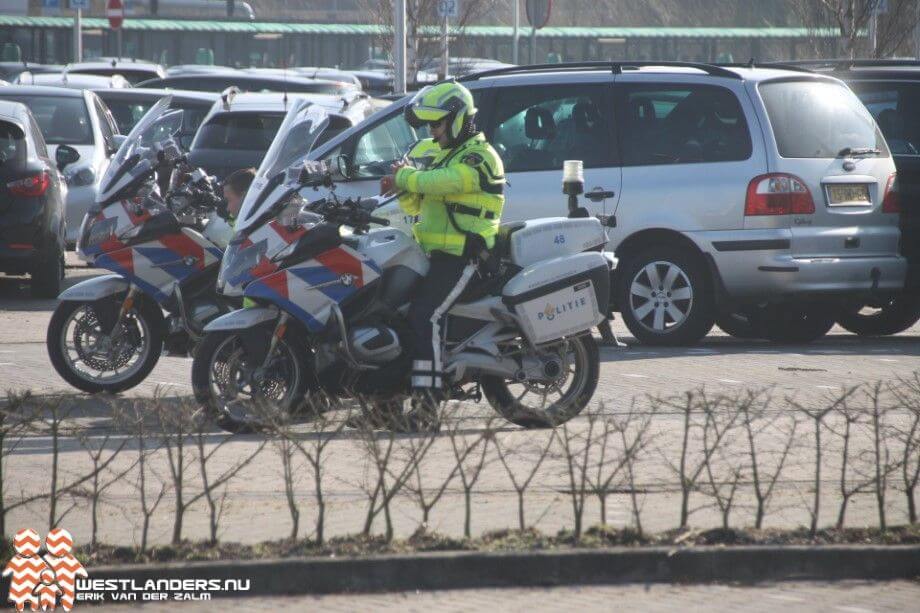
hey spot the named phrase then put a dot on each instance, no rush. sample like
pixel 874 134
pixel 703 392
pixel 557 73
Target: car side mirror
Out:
pixel 65 156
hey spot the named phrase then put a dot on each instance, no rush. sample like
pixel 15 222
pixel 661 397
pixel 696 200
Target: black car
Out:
pixel 890 89
pixel 128 105
pixel 31 202
pixel 219 81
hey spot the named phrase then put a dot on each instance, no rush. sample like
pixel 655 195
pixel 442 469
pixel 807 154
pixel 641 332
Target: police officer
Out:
pixel 455 185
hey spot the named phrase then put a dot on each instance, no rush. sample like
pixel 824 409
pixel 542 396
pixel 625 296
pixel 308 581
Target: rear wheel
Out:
pixel 548 403
pixel 791 323
pixel 882 318
pixel 234 386
pixel 664 296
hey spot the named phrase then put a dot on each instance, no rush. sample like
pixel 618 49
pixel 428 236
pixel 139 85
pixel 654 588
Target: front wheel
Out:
pixel 95 357
pixel 238 388
pixel 546 404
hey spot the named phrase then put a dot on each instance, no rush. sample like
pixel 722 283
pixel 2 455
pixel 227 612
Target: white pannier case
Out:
pixel 560 297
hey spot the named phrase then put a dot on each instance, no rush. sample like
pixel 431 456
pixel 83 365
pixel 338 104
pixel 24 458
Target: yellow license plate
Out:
pixel 848 194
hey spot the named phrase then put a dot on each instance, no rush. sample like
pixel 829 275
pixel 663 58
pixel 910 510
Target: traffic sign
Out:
pixel 83 5
pixel 448 8
pixel 51 4
pixel 538 12
pixel 115 11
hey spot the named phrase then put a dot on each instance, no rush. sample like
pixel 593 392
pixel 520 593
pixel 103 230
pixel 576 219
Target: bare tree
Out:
pixel 817 417
pixel 423 38
pixel 98 485
pixel 471 458
pixel 755 420
pixel 851 416
pixel 714 428
pixel 521 483
pixel 137 425
pixel 16 421
pixel 883 464
pixel 851 19
pixel 634 434
pixel 907 391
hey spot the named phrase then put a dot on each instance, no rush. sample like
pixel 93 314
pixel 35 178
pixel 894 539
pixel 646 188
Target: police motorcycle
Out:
pixel 155 225
pixel 329 294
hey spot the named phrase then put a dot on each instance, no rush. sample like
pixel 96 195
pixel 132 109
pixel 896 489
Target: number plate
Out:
pixel 848 194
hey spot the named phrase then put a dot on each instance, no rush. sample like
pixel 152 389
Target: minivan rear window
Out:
pixel 246 131
pixel 817 119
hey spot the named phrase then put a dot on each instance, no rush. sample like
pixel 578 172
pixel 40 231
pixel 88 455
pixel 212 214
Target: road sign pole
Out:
pixel 445 54
pixel 533 44
pixel 399 47
pixel 118 41
pixel 78 36
pixel 516 36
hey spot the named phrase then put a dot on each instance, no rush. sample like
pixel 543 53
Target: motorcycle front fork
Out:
pixel 277 335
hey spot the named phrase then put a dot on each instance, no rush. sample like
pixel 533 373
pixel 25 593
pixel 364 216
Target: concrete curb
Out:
pixel 456 570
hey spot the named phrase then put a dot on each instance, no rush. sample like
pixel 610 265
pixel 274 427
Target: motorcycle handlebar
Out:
pixel 378 220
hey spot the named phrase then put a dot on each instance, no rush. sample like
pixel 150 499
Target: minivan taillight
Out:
pixel 892 201
pixel 36 185
pixel 778 194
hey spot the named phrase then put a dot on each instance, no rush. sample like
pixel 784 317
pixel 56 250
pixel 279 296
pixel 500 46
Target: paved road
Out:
pixel 256 509
pixel 842 597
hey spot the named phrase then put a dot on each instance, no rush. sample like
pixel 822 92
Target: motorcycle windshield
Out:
pixel 158 126
pixel 298 132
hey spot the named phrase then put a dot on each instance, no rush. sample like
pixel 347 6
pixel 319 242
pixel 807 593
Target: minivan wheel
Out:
pixel 890 316
pixel 664 296
pixel 48 274
pixel 793 323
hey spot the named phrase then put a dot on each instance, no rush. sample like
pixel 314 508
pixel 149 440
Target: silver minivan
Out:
pixel 758 197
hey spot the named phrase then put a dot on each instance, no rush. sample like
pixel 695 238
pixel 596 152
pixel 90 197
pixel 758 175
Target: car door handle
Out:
pixel 598 194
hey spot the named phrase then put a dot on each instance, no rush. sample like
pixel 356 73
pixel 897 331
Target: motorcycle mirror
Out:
pixel 343 166
pixel 65 155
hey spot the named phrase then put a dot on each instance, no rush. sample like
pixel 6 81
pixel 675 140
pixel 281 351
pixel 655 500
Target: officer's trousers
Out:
pixel 447 277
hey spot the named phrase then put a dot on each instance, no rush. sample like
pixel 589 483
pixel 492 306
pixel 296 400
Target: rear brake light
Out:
pixel 36 185
pixel 778 194
pixel 892 200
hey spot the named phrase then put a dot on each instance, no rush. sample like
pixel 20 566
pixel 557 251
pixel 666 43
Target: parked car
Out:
pixel 890 89
pixel 247 82
pixel 181 69
pixel 10 70
pixel 730 187
pixel 73 81
pixel 239 128
pixel 31 203
pixel 129 105
pixel 79 119
pixel 308 72
pixel 134 71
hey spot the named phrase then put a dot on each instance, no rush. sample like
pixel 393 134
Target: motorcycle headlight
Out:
pixel 83 176
pixel 96 232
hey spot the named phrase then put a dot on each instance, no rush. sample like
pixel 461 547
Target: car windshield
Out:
pixel 818 119
pixel 64 120
pixel 239 131
pixel 128 112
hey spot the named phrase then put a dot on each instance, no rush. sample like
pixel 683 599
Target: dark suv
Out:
pixel 31 203
pixel 890 89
